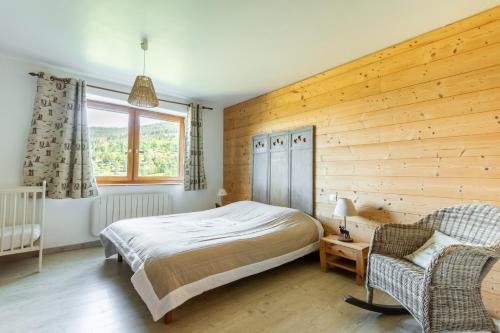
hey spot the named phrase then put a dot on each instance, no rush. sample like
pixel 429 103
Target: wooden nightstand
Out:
pixel 348 256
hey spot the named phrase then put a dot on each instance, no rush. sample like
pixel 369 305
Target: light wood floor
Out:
pixel 79 291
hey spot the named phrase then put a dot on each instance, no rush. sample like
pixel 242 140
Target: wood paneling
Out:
pixel 403 131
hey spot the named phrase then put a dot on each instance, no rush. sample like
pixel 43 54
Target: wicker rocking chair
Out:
pixel 445 296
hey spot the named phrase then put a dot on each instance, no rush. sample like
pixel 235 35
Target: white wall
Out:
pixel 68 221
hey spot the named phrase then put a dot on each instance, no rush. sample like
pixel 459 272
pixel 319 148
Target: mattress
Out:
pixel 177 257
pixel 20 236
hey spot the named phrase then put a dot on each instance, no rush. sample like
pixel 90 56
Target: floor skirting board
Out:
pixel 51 250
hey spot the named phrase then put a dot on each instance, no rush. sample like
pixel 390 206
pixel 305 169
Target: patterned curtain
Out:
pixel 194 171
pixel 58 141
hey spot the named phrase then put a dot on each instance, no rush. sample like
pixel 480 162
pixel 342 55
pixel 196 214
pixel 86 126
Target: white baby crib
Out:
pixel 22 215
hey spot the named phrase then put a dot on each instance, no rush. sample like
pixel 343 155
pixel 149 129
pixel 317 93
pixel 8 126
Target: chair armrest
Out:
pixel 399 240
pixel 460 266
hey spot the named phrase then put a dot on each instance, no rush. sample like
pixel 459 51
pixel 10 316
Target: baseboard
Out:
pixel 72 247
pixel 51 250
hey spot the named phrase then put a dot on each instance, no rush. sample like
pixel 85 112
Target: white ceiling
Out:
pixel 219 51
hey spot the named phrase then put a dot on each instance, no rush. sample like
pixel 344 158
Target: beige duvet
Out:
pixel 178 256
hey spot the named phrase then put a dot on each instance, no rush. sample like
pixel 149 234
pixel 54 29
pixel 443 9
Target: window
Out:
pixel 131 145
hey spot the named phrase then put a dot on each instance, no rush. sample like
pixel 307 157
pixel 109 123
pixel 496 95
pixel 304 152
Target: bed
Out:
pixel 176 257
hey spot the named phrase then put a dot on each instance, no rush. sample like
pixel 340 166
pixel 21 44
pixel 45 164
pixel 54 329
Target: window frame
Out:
pixel 134 114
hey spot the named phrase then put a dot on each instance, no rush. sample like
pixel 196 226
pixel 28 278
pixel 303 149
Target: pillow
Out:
pixel 424 255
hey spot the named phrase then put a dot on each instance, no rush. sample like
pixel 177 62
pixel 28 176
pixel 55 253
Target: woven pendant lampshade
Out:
pixel 143 92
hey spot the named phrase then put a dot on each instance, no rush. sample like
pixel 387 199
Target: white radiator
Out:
pixel 109 208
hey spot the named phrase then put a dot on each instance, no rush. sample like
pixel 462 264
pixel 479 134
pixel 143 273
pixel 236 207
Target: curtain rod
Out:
pixel 118 91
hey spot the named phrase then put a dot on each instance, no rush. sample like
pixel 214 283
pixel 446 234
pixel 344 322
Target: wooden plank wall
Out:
pixel 402 132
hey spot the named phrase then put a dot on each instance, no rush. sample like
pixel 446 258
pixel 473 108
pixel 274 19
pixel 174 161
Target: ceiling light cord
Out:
pixel 144 47
pixel 144 64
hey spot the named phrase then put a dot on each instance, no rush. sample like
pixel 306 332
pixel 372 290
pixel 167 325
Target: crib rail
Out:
pixel 22 217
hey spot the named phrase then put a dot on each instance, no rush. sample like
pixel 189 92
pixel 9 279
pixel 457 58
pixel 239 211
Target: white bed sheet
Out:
pixel 20 236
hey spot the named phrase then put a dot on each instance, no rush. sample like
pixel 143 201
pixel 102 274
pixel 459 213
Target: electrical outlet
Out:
pixel 332 198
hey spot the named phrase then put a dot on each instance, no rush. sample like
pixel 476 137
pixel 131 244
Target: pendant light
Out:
pixel 143 92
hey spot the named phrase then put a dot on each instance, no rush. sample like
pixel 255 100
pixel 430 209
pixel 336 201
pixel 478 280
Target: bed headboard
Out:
pixel 282 168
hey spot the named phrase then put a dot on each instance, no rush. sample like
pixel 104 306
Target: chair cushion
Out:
pixel 423 255
pixel 400 278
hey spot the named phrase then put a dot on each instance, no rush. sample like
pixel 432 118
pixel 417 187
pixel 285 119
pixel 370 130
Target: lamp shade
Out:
pixel 345 207
pixel 221 192
pixel 143 93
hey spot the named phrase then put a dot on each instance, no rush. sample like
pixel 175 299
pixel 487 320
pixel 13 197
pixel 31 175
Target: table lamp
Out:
pixel 344 208
pixel 221 193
